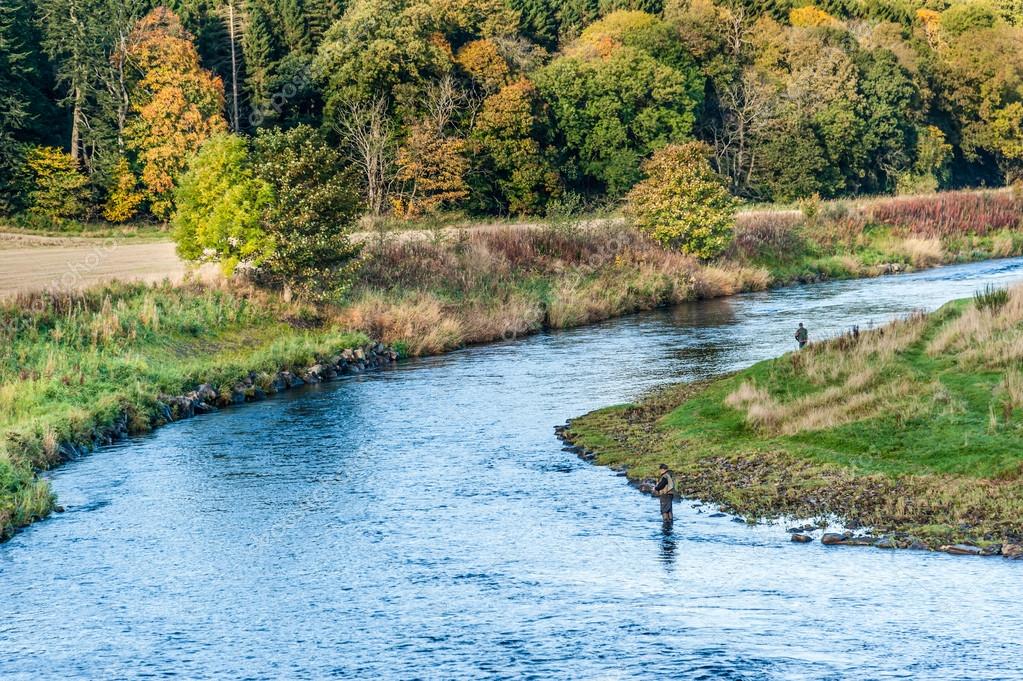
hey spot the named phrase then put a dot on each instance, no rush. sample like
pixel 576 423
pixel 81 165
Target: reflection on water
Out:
pixel 668 546
pixel 424 523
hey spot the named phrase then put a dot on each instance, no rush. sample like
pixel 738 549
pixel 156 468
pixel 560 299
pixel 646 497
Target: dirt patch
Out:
pixel 30 263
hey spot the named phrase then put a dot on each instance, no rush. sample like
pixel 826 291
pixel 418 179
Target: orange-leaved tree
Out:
pixel 179 104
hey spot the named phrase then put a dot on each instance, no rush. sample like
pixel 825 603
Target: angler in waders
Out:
pixel 802 336
pixel 665 491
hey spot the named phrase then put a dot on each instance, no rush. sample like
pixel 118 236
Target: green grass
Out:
pixel 73 364
pixel 932 449
pixel 37 225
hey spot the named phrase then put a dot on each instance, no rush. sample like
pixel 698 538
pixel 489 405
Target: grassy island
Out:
pixel 912 430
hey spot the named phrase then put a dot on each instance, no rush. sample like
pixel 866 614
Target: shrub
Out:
pixel 60 188
pixel 949 214
pixel 683 203
pixel 219 207
pixel 766 235
pixel 991 297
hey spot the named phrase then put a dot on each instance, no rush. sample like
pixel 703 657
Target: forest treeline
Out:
pixel 499 106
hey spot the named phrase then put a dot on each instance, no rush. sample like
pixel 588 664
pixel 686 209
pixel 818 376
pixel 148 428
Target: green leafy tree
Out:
pixel 613 105
pixel 219 207
pixel 891 115
pixel 683 203
pixel 387 48
pixel 966 17
pixel 315 205
pixel 980 78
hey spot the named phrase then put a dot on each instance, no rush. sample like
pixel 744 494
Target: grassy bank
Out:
pixel 913 429
pixel 431 295
pixel 72 362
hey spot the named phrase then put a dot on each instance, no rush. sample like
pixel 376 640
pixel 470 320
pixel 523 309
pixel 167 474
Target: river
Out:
pixel 423 522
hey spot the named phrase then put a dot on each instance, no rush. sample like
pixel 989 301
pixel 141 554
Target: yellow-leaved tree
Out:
pixel 682 203
pixel 812 17
pixel 60 188
pixel 179 104
pixel 125 198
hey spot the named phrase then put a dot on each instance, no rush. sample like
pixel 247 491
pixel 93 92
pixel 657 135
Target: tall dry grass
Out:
pixel 856 378
pixel 985 336
pixel 949 214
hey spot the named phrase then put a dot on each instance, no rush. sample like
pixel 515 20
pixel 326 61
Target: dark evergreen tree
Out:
pixel 538 21
pixel 15 69
pixel 260 55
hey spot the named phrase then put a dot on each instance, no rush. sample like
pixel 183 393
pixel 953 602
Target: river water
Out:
pixel 424 522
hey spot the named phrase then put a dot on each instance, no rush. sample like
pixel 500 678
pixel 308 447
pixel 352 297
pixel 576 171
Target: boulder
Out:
pixel 802 538
pixel 1012 551
pixel 206 393
pixel 238 395
pixel 834 538
pixel 962 550
pixel 861 540
pixel 886 543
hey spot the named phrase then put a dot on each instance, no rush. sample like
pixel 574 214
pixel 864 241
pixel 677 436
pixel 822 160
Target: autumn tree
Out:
pixel 431 163
pixel 510 147
pixel 682 203
pixel 124 197
pixel 179 105
pixel 60 189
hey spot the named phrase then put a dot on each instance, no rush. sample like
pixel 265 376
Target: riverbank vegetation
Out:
pixel 431 295
pixel 911 430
